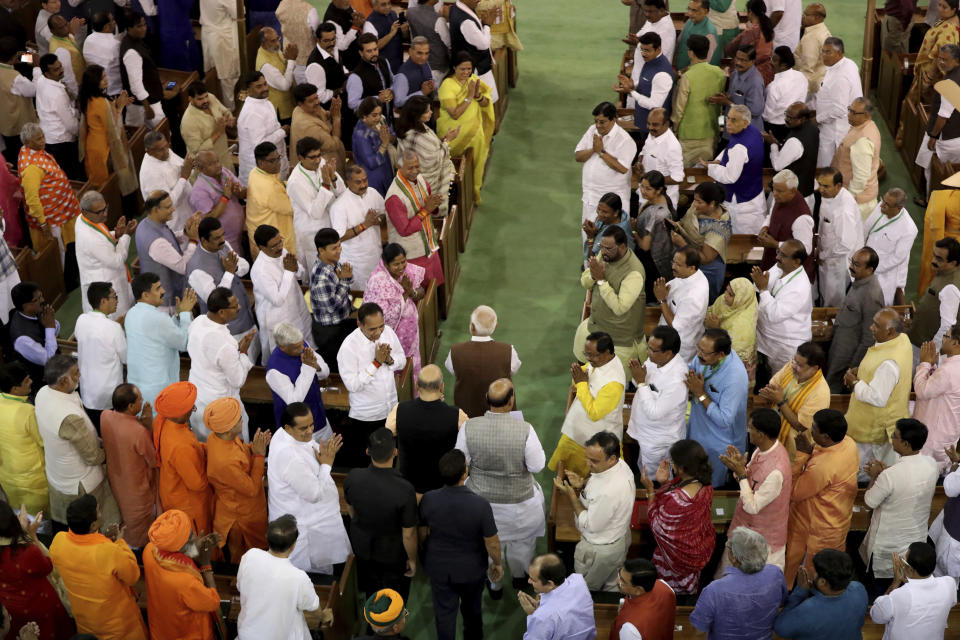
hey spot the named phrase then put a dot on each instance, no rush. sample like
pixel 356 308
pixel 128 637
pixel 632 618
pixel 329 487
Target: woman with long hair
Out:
pixel 651 221
pixel 707 227
pixel 103 137
pixel 758 34
pixel 414 134
pixel 679 513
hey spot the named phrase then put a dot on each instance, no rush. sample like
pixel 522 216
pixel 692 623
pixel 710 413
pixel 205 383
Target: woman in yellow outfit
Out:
pixel 942 220
pixel 104 138
pixel 23 474
pixel 465 103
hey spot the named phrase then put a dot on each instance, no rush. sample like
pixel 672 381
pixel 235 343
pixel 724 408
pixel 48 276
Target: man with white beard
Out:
pixel 356 216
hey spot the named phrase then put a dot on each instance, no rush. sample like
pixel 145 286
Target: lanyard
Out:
pixel 780 288
pixel 714 370
pixel 307 176
pixel 873 227
pixel 216 187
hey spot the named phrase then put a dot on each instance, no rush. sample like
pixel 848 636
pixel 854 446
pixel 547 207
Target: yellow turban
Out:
pixel 222 415
pixel 170 531
pixel 383 608
pixel 173 402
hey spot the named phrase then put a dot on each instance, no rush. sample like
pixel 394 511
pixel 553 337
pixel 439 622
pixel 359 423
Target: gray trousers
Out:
pixel 599 564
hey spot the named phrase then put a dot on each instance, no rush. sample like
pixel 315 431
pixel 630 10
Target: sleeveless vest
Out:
pixel 425 431
pixel 498 469
pixel 926 322
pixel 578 425
pixel 843 163
pixel 477 365
pixel 210 263
pixel 772 519
pixel 873 425
pixel 21 325
pixel 292 15
pixel 423 20
pixel 290 366
pixel 393 50
pixel 781 229
pixel 423 242
pixel 151 77
pixel 173 283
pixel 332 69
pixel 373 82
pixel 281 100
pixel 76 58
pixel 626 328
pixel 951 517
pixel 750 183
pixel 17 110
pixel 342 18
pixel 658 65
pixel 951 129
pixel 482 60
pixel 416 75
pixel 808 134
pixel 65 468
pixel 652 613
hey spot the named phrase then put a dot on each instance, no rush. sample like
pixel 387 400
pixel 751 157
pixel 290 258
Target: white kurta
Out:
pixel 948 548
pixel 746 217
pixel 841 235
pixel 217 368
pixel 658 416
pixel 363 251
pixel 892 239
pixel 787 31
pixel 663 153
pixel 787 87
pixel 783 316
pixel 597 177
pixel 578 424
pixel 164 175
pixel 277 611
pixel 218 19
pixel 688 299
pixel 302 487
pixel 101 354
pixel 373 391
pixel 100 260
pixel 104 49
pixel 258 123
pixel 840 86
pixel 277 298
pixel 311 203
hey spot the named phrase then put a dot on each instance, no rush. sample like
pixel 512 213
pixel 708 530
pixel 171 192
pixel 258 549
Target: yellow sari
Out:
pixel 942 220
pixel 476 125
pixel 740 321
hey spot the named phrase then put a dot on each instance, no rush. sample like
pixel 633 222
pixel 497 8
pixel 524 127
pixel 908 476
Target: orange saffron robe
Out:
pixel 183 475
pixel 99 575
pixel 240 507
pixel 821 503
pixel 179 604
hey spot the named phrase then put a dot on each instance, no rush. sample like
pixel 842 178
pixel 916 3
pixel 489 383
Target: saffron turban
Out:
pixel 173 402
pixel 383 608
pixel 223 414
pixel 171 530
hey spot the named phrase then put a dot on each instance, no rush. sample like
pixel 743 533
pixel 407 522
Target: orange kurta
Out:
pixel 179 604
pixel 183 475
pixel 821 503
pixel 132 469
pixel 240 507
pixel 99 575
pixel 97 150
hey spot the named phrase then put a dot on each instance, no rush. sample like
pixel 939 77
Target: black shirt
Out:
pixel 383 503
pixel 459 520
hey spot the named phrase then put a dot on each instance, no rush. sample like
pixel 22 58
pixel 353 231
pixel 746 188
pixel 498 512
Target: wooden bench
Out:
pixel 182 80
pixel 42 267
pixel 466 202
pixel 940 171
pixel 896 74
pixel 914 118
pixel 501 74
pixel 449 234
pixel 429 320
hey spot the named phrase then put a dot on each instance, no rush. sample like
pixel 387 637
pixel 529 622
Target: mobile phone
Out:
pixel 403 18
pixel 27 57
pixel 721 120
pixel 171 85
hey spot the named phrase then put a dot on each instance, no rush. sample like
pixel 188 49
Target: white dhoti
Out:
pixel 831 135
pixel 518 527
pixel 491 81
pixel 651 455
pixel 135 116
pixel 833 279
pixel 221 50
pixel 747 217
pixel 869 452
pixel 948 550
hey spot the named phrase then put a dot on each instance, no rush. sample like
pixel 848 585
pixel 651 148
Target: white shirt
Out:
pixel 101 354
pixel 59 118
pixel 948 549
pixel 317 76
pixel 373 391
pixel 281 80
pixel 277 298
pixel 754 500
pixel 663 153
pixel 841 227
pixel 787 31
pixel 99 260
pixel 781 158
pixel 892 240
pixel 164 175
pixel 918 609
pixel 202 282
pixel 840 86
pixel 258 123
pixel 134 66
pixel 688 300
pixel 273 596
pixel 311 203
pixel 217 367
pixel 69 79
pixel 362 251
pixel 877 391
pixel 608 497
pixel 668 42
pixel 598 178
pixel 783 314
pixel 514 359
pixel 295 391
pixel 658 415
pixel 949 298
pixel 42 32
pixel 166 254
pixel 472 32
pixel 787 87
pixel 900 498
pixel 660 86
pixel 104 49
pixel 23 87
pixel 801 229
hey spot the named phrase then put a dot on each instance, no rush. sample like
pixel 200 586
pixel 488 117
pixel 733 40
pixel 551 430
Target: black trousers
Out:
pixel 356 439
pixel 12 150
pixel 372 576
pixel 447 596
pixel 330 337
pixel 66 154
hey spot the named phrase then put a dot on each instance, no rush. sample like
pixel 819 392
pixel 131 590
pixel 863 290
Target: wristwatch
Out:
pixel 701 398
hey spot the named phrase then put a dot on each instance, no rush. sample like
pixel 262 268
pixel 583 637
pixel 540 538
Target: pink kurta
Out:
pixel 398 312
pixel 938 406
pixel 132 469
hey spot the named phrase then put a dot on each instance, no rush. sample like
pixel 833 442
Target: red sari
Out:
pixel 684 533
pixel 29 596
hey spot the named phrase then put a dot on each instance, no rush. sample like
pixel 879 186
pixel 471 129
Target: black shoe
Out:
pixel 519 584
pixel 494 595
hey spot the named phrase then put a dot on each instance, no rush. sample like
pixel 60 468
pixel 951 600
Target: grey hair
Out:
pixel 58 366
pixel 951 50
pixel 410 154
pixel 152 138
pixel 749 549
pixel 29 131
pixel 899 194
pixel 419 40
pixel 287 334
pixel 484 320
pixel 895 321
pixel 90 198
pixel 742 110
pixel 788 178
pixel 866 102
pixel 834 42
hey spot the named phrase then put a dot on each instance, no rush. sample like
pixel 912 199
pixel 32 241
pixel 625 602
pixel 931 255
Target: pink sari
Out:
pixel 398 313
pixel 10 198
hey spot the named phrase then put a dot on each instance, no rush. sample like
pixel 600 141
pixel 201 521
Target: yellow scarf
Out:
pixel 795 402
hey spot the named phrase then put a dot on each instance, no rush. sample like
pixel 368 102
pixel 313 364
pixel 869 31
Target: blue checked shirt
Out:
pixel 329 295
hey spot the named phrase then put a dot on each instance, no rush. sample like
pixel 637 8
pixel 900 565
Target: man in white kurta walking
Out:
pixel 101 253
pixel 840 86
pixel 218 36
pixel 786 302
pixel 890 231
pixel 101 349
pixel 356 216
pixel 313 186
pixel 258 123
pixel 841 235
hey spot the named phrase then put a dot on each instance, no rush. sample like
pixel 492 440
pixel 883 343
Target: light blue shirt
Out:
pixel 566 613
pixel 154 343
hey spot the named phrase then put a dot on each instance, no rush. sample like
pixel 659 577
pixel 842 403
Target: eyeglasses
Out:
pixel 856 113
pixel 98 211
pixel 701 352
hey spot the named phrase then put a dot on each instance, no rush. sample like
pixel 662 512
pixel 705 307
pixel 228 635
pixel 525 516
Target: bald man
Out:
pixel 503 453
pixel 426 428
pixel 809 62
